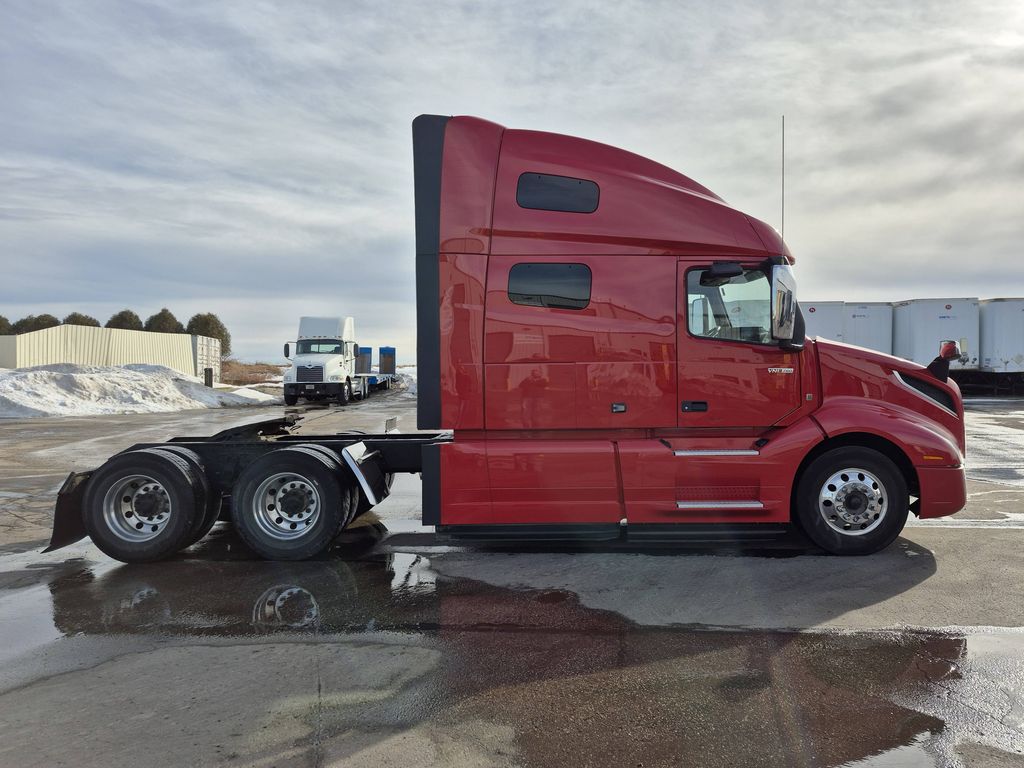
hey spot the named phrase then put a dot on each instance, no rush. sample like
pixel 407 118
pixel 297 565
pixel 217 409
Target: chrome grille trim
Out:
pixel 314 374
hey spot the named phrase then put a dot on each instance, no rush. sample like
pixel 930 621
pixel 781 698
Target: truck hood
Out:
pixel 855 355
pixel 855 373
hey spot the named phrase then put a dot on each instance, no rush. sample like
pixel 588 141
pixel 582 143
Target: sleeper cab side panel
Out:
pixel 462 319
pixel 467 190
pixel 553 481
pixel 654 478
pixel 529 482
pixel 465 492
pixel 610 364
pixel 536 395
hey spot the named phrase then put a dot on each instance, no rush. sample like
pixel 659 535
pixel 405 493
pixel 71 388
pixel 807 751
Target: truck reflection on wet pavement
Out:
pixel 378 659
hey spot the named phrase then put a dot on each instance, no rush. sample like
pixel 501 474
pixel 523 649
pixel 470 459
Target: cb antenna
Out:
pixel 783 233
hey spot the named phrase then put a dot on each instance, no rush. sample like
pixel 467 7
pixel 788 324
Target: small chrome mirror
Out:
pixel 949 350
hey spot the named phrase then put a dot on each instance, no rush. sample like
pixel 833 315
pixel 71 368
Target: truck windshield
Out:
pixel 738 309
pixel 319 347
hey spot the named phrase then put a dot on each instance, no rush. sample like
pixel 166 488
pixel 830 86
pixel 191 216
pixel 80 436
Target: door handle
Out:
pixel 689 406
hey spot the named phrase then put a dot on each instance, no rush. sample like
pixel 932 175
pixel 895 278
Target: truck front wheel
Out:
pixel 345 394
pixel 291 399
pixel 852 501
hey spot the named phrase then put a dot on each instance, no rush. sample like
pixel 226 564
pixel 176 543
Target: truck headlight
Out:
pixel 335 378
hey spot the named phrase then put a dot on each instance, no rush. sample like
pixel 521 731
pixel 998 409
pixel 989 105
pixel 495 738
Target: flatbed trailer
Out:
pixel 375 381
pixel 605 348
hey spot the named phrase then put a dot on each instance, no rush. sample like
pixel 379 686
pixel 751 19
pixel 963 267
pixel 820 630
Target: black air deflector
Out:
pixel 427 150
pixel 431 473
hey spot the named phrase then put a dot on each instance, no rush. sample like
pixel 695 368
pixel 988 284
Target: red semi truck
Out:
pixel 612 352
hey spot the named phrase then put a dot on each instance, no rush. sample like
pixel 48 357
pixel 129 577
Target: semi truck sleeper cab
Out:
pixel 605 349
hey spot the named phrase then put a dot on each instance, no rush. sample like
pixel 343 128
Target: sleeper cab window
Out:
pixel 730 309
pixel 555 286
pixel 544 192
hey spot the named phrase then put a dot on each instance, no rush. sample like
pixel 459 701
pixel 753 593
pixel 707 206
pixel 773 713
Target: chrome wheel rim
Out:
pixel 286 505
pixel 286 606
pixel 136 508
pixel 853 502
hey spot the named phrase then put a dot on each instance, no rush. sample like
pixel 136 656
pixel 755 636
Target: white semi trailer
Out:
pixel 1002 336
pixel 920 324
pixel 869 325
pixel 824 319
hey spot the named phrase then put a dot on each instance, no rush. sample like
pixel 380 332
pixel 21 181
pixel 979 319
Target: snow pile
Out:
pixel 407 378
pixel 82 390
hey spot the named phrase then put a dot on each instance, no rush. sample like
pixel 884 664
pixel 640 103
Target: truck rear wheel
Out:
pixel 852 501
pixel 290 503
pixel 350 490
pixel 211 505
pixel 143 505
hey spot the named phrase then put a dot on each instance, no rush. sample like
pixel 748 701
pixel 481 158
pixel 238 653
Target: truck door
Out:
pixel 731 373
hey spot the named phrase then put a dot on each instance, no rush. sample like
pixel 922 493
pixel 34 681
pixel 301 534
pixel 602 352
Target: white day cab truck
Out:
pixel 328 364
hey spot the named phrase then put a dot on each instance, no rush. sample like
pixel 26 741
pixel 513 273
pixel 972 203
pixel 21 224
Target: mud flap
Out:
pixel 367 466
pixel 68 525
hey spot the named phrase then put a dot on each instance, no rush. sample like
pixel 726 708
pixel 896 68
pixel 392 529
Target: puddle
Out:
pixel 385 648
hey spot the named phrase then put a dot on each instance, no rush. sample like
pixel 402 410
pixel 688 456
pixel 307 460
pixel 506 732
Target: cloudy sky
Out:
pixel 254 158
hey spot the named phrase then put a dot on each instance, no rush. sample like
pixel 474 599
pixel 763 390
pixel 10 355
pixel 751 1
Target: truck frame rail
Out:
pixel 364 463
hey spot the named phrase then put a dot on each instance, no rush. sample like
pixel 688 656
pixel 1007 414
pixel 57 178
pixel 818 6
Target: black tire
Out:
pixel 866 508
pixel 291 399
pixel 211 501
pixel 363 504
pixel 112 522
pixel 345 394
pixel 302 531
pixel 354 497
pixel 347 481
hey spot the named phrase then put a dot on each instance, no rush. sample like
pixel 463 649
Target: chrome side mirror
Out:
pixel 783 303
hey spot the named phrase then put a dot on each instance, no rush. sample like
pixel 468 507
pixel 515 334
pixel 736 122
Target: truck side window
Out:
pixel 544 192
pixel 733 309
pixel 555 286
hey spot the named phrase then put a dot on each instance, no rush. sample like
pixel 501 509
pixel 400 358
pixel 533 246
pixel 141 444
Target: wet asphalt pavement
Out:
pixel 402 650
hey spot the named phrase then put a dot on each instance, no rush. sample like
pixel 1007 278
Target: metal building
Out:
pixel 87 345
